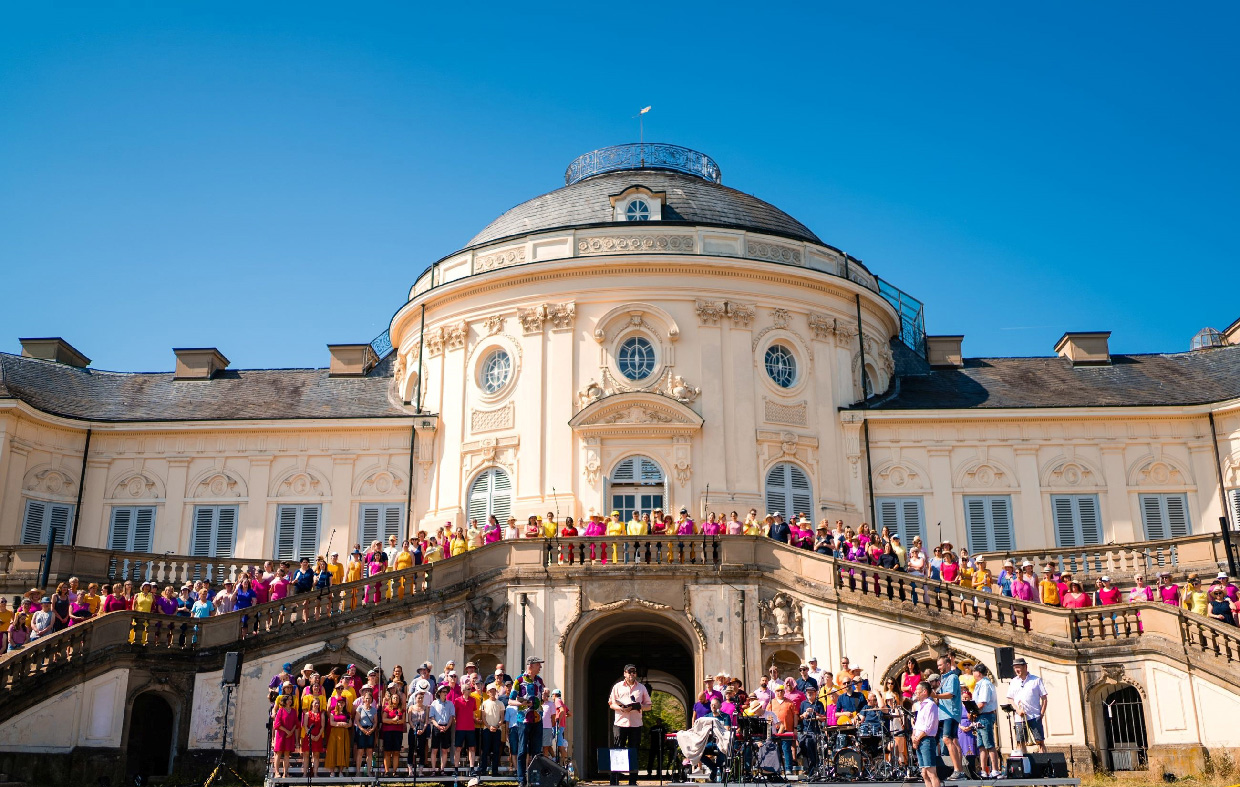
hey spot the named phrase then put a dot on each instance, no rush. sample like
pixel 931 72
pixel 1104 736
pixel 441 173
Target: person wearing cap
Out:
pixel 442 713
pixel 492 731
pixel 1194 599
pixel 805 679
pixel 1223 581
pixel 786 714
pixel 779 530
pixel 355 568
pixel 42 621
pixel 1107 593
pixel 527 696
pixel 1027 694
pixel 628 699
pixel 987 699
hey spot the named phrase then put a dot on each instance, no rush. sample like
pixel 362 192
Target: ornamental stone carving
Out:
pixel 845 332
pixel 710 312
pixel 434 341
pixel 485 621
pixel 454 336
pixel 661 244
pixel 773 252
pixel 300 484
pixel 589 395
pixel 379 481
pixel 492 420
pixel 218 484
pixel 742 314
pixel 681 391
pixel 821 326
pixel 792 414
pixel 494 324
pixel 781 317
pixel 50 481
pixel 638 415
pixel 500 259
pixel 592 461
pixel 681 461
pixel 532 319
pixel 561 315
pixel 781 619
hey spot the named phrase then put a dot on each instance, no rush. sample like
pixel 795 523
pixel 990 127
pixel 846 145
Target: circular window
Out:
pixel 636 358
pixel 496 370
pixel 637 210
pixel 781 365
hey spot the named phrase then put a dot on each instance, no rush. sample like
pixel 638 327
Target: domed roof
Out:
pixel 691 199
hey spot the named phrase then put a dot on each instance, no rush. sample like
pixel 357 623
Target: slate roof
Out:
pixel 690 200
pixel 1171 379
pixel 232 395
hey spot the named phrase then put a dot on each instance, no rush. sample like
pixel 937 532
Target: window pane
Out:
pixel 636 358
pixel 781 366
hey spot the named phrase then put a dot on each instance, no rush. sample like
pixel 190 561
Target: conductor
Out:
pixel 628 699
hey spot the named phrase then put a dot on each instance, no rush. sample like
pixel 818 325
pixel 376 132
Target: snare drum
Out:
pixel 870 729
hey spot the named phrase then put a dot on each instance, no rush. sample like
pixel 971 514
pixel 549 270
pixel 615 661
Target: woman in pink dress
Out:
pixel 594 529
pixel 711 526
pixel 1107 593
pixel 279 586
pixel 314 728
pixel 1168 591
pixel 734 527
pixel 909 678
pixel 492 532
pixel 374 568
pixel 262 582
pixel 284 733
pixel 1140 591
pixel 1076 598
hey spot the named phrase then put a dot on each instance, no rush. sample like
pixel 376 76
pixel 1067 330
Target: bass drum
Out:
pixel 848 763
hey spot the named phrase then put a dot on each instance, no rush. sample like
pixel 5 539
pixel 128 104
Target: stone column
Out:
pixel 1031 531
pixel 253 533
pixel 1117 522
pixel 92 527
pixel 174 536
pixel 718 434
pixel 11 507
pixel 339 513
pixel 941 507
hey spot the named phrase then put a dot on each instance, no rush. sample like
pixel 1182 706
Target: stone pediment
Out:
pixel 636 412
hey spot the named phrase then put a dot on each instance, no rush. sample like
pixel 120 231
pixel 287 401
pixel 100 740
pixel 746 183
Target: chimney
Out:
pixel 351 360
pixel 198 363
pixel 1085 348
pixel 54 349
pixel 944 351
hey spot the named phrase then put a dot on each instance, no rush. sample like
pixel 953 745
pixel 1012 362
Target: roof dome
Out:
pixel 689 179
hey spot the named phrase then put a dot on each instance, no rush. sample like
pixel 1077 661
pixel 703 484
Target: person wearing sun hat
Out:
pixel 1048 588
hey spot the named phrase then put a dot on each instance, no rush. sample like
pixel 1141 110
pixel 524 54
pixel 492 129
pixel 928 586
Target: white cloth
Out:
pixel 1027 695
pixel 693 741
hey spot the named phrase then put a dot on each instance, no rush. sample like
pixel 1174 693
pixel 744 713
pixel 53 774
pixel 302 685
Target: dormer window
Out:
pixel 638 203
pixel 637 210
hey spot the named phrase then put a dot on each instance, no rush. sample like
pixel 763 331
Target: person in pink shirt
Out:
pixel 712 527
pixel 1140 591
pixel 492 532
pixel 1064 583
pixel 279 586
pixel 1023 585
pixel 1168 591
pixel 685 527
pixel 262 583
pixel 1107 593
pixel 1076 598
pixel 949 571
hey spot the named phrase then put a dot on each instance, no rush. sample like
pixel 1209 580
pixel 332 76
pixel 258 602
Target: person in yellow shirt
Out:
pixel 753 525
pixel 92 598
pixel 434 552
pixel 336 569
pixel 982 578
pixel 404 558
pixel 6 619
pixel 145 599
pixel 1048 590
pixel 549 531
pixel 1194 599
pixel 473 535
pixel 456 543
pixel 353 572
pixel 636 527
pixel 615 525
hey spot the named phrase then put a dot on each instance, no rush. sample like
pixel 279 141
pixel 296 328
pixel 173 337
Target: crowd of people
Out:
pixel 37 614
pixel 348 724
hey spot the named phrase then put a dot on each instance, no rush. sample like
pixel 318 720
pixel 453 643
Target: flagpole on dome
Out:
pixel 641 133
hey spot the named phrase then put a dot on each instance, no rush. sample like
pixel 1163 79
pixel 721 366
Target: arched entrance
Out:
pixel 151 729
pixel 666 660
pixel 1123 723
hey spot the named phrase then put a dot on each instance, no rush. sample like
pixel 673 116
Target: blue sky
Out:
pixel 268 178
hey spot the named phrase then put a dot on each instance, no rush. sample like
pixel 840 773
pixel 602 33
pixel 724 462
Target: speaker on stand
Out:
pixel 1003 663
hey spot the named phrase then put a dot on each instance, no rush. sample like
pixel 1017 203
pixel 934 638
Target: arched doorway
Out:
pixel 151 729
pixel 636 486
pixel 1123 723
pixel 666 662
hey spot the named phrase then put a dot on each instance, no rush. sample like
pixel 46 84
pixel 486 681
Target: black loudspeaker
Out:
pixel 544 772
pixel 1003 663
pixel 232 668
pixel 1052 765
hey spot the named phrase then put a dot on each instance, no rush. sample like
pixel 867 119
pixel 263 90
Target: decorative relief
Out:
pixel 486 622
pixel 50 481
pixel 793 414
pixel 900 475
pixel 637 415
pixel 681 462
pixel 435 341
pixel 780 317
pixel 821 326
pixel 299 485
pixel 491 420
pixel 984 474
pixel 637 243
pixel 670 385
pixel 500 451
pixel 454 336
pixel 561 315
pixel 592 461
pixel 138 485
pixel 681 391
pixel 742 314
pixel 218 484
pixel 532 319
pixel 845 332
pixel 499 259
pixel 425 428
pixel 379 481
pixel 1158 472
pixel 780 446
pixel 636 315
pixel 589 395
pixel 773 252
pixel 710 312
pixel 1070 473
pixel 781 619
pixel 494 324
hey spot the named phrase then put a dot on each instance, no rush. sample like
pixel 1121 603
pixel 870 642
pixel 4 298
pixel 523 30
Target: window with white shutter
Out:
pixel 377 521
pixel 988 523
pixel 1077 523
pixel 1234 497
pixel 132 529
pixel 1165 516
pixel 788 491
pixel 41 517
pixel 903 516
pixel 214 532
pixel 297 532
pixel 490 495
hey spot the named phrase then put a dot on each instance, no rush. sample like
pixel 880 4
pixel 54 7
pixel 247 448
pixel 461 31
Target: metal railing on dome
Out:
pixel 655 155
pixel 382 344
pixel 912 315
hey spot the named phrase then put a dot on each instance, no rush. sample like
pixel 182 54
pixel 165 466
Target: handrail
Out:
pixel 110 565
pixel 857 585
pixel 1203 551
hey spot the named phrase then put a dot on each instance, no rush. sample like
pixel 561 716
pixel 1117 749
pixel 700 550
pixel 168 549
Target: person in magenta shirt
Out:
pixel 685 527
pixel 279 586
pixel 1022 588
pixel 1076 598
pixel 711 526
pixel 1108 593
pixel 1168 591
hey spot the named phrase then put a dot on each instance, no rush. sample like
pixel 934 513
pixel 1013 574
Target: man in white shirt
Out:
pixel 986 698
pixel 816 673
pixel 925 731
pixel 1028 696
pixel 41 621
pixel 628 699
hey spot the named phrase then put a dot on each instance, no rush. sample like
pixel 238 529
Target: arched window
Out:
pixel 637 210
pixel 788 490
pixel 490 495
pixel 636 358
pixel 781 365
pixel 496 370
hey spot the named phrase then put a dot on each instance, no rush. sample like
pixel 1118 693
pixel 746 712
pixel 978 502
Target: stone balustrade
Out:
pixel 1204 553
pixel 20 565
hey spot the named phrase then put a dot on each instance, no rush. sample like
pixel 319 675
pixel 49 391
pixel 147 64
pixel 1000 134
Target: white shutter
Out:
pixel 144 529
pixel 225 531
pixel 976 524
pixel 368 524
pixel 32 523
pixel 1235 509
pixel 393 516
pixel 788 490
pixel 286 532
pixel 1152 514
pixel 801 497
pixel 491 495
pixel 122 527
pixel 308 537
pixel 1091 523
pixel 651 473
pixel 1076 520
pixel 1002 530
pixel 912 520
pixel 624 472
pixel 201 537
pixel 1177 515
pixel 889 517
pixel 59 517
